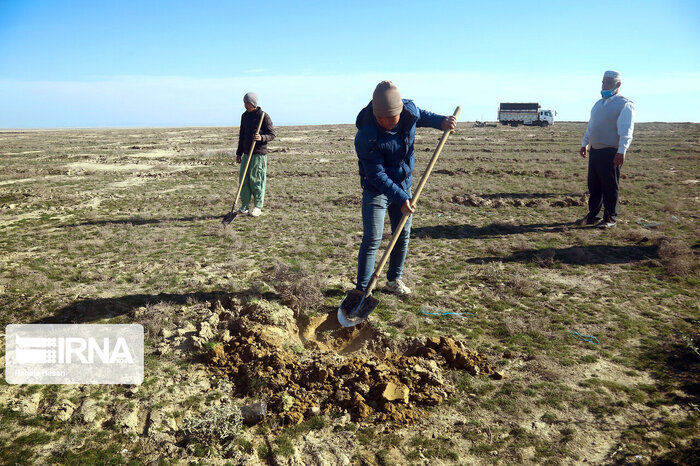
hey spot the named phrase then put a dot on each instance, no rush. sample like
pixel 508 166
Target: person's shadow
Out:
pixel 140 221
pixel 92 309
pixel 97 309
pixel 488 231
pixel 577 255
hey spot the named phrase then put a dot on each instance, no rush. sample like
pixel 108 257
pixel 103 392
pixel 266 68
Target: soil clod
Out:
pixel 339 369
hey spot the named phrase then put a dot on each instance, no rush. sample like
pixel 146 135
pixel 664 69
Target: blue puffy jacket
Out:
pixel 386 159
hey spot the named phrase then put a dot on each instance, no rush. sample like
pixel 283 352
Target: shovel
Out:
pixel 228 218
pixel 358 305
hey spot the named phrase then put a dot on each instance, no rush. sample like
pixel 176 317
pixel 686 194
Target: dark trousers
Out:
pixel 603 184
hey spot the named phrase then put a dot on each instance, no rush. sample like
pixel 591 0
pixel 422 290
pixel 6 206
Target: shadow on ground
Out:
pixel 687 455
pixel 577 255
pixel 141 221
pixel 323 322
pixel 90 310
pixel 488 231
pixel 678 358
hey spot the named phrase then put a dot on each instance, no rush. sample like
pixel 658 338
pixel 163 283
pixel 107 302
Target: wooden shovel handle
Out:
pixel 247 163
pixel 431 164
pixel 414 200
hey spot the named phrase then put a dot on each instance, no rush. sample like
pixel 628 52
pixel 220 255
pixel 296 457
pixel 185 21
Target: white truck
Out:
pixel 515 114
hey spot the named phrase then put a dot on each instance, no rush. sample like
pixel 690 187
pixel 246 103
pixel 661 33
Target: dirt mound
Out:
pixel 308 366
pixel 570 202
pixel 473 200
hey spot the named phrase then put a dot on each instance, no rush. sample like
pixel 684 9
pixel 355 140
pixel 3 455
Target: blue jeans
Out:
pixel 374 207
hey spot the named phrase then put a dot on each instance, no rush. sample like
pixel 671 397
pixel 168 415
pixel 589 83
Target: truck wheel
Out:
pixel 544 124
pixel 514 123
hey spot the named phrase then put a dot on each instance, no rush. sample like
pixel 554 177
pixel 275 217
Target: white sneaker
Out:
pixel 256 212
pixel 243 210
pixel 398 287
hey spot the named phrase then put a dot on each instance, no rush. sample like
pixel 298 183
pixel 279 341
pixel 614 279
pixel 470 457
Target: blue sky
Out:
pixel 186 63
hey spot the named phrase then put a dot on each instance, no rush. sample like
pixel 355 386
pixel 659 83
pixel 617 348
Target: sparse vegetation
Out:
pixel 217 425
pixel 118 226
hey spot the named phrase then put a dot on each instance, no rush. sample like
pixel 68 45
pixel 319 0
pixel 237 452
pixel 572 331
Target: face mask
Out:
pixel 606 94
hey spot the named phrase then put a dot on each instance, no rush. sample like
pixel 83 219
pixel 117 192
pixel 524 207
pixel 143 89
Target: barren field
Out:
pixel 527 341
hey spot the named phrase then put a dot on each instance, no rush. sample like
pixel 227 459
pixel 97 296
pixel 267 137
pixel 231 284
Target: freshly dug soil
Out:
pixel 304 367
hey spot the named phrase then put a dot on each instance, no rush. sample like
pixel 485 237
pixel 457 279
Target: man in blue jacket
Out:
pixel 386 130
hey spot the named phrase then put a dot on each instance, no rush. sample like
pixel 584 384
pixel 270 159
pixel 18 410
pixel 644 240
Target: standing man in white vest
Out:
pixel 609 134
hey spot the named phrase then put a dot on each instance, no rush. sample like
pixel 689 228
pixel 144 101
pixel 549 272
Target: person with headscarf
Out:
pixel 608 134
pixel 386 130
pixel 255 179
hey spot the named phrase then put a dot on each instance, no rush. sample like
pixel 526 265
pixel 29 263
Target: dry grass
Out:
pixel 407 322
pixel 519 245
pixel 494 248
pixel 515 325
pixel 508 280
pixel 637 235
pixel 212 153
pixel 544 258
pixel 677 257
pixel 545 369
pixel 218 425
pixel 298 288
pixel 671 207
pixel 521 284
pixel 153 317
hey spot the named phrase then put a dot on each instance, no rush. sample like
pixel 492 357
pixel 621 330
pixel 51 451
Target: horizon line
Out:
pixel 55 128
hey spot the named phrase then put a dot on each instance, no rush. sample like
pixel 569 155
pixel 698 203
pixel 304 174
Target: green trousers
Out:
pixel 254 183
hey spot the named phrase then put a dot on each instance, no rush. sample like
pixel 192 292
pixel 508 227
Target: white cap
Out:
pixel 612 74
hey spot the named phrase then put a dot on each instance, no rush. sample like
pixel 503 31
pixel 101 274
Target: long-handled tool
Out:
pixel 358 305
pixel 228 218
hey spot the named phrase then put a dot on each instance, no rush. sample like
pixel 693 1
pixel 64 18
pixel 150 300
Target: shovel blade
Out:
pixel 228 218
pixel 355 308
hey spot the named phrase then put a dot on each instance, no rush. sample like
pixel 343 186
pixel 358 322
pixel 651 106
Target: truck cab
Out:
pixel 545 118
